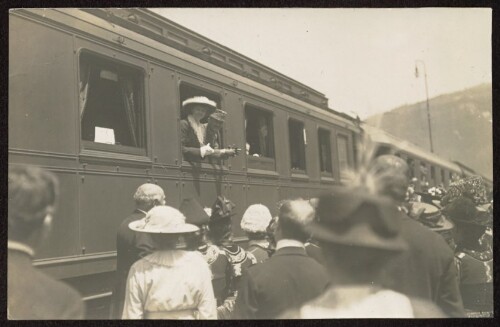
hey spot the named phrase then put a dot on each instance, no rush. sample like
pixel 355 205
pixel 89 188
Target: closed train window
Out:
pixel 433 174
pixel 343 152
pixel 325 155
pixel 111 103
pixel 297 139
pixel 259 132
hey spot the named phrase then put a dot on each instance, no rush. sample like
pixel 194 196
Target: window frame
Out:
pixel 115 151
pixel 294 171
pixel 206 87
pixel 257 164
pixel 327 174
pixel 339 135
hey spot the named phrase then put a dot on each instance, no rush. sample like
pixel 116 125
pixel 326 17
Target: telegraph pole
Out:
pixel 427 99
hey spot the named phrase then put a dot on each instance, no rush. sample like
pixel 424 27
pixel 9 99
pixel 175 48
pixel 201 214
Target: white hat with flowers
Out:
pixel 163 220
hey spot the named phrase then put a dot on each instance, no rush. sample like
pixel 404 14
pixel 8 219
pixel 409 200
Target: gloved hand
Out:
pixel 206 150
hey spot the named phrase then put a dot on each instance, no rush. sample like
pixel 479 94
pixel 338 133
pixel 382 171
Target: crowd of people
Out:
pixel 366 250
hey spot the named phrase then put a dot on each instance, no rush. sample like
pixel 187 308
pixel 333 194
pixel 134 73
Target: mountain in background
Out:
pixel 461 124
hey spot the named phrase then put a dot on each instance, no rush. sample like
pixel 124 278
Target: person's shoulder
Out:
pixel 426 309
pixel 141 265
pixel 60 296
pixel 133 217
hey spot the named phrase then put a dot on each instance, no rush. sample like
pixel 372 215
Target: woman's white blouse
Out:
pixel 170 285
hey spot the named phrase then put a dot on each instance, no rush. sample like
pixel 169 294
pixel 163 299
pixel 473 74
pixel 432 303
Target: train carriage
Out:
pixel 95 96
pixel 424 166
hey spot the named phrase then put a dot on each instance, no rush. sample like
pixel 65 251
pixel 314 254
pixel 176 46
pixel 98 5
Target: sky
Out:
pixel 363 60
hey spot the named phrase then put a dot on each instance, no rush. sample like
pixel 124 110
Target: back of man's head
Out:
pixel 293 216
pixel 391 176
pixel 32 196
pixel 148 195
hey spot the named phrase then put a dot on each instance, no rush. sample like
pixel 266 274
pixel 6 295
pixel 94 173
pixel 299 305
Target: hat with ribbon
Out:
pixel 219 115
pixel 352 217
pixel 256 219
pixel 222 209
pixel 430 216
pixel 194 213
pixel 163 220
pixel 200 100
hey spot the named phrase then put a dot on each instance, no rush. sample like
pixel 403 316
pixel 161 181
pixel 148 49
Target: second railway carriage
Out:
pixel 95 97
pixel 424 166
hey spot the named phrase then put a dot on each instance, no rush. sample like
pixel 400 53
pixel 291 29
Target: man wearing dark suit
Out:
pixel 30 293
pixel 289 278
pixel 132 246
pixel 427 269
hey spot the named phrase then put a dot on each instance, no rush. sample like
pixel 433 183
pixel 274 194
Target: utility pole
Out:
pixel 427 99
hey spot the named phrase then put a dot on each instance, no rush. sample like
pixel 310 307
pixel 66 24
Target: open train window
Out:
pixel 111 105
pixel 325 155
pixel 297 139
pixel 433 175
pixel 259 132
pixel 411 167
pixel 187 91
pixel 343 153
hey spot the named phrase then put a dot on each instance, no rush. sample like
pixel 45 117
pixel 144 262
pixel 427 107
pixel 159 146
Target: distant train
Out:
pixel 427 168
pixel 77 74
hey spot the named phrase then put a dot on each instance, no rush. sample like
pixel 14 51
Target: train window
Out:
pixel 325 155
pixel 433 175
pixel 187 91
pixel 111 103
pixel 423 175
pixel 297 139
pixel 411 167
pixel 259 132
pixel 342 146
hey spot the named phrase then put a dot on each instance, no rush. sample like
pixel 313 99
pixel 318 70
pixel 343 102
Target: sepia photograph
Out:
pixel 249 163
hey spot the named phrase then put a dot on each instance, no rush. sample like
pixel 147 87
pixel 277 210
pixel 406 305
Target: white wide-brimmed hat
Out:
pixel 209 104
pixel 163 220
pixel 256 219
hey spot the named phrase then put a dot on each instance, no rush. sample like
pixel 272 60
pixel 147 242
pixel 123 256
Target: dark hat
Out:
pixel 389 163
pixel 353 217
pixel 390 174
pixel 222 210
pixel 430 216
pixel 219 115
pixel 194 212
pixel 464 210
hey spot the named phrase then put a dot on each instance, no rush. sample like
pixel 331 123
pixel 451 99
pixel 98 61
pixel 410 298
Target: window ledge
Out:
pixel 203 166
pixel 327 179
pixel 269 173
pixel 300 176
pixel 87 155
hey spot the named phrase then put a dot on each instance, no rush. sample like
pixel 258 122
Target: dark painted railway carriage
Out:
pixel 95 96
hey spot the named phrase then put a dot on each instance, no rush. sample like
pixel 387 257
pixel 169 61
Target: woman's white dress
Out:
pixel 172 284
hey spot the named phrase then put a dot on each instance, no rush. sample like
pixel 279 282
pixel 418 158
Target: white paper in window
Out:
pixel 104 135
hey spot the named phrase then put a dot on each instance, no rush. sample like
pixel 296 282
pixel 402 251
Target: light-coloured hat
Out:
pixel 163 220
pixel 256 219
pixel 200 100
